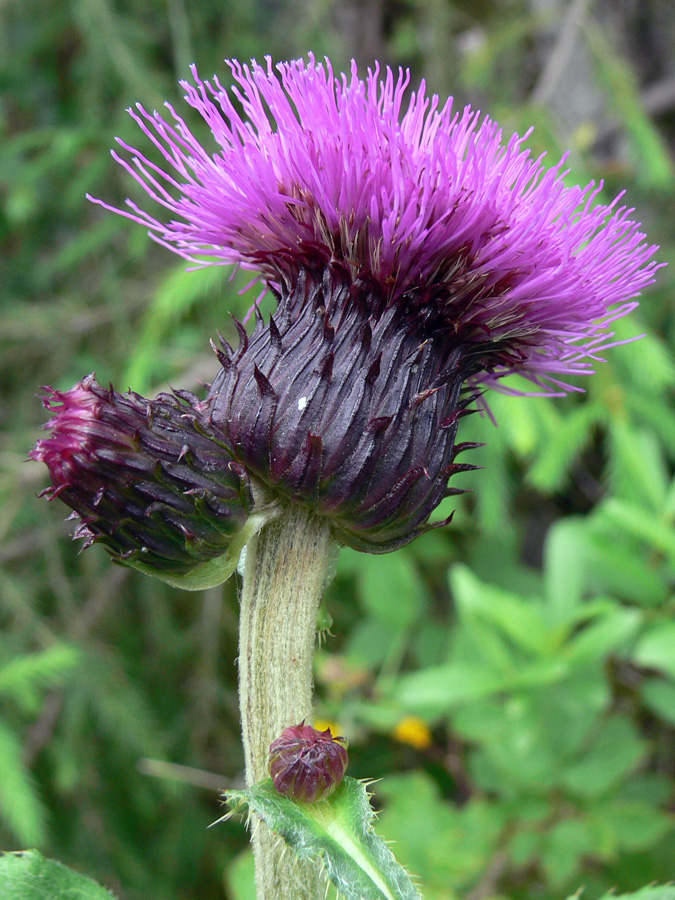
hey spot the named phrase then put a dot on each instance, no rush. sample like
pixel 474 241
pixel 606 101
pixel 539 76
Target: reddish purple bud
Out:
pixel 306 764
pixel 146 478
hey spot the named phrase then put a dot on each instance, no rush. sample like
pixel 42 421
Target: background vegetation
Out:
pixel 511 677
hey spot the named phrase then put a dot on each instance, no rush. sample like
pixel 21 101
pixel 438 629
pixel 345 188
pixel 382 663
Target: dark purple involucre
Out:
pixel 335 405
pixel 306 764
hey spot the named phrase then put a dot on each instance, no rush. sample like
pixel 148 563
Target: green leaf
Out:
pixel 551 470
pixel 491 511
pixel 450 846
pixel 439 688
pixel 240 877
pixel 637 825
pixel 181 291
pixel 659 695
pixel 669 505
pixel 520 423
pixel 390 589
pixel 649 369
pixel 655 412
pixel 338 833
pixel 568 842
pixel 517 618
pixel 639 523
pixel 639 473
pixel 369 643
pixel 564 565
pixel 525 847
pixel 29 876
pixel 24 677
pixel 663 892
pixel 497 559
pixel 656 649
pixel 607 634
pixel 20 807
pixel 525 739
pixel 614 570
pixel 616 751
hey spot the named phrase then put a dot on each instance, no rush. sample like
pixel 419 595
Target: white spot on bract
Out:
pixel 302 403
pixel 241 565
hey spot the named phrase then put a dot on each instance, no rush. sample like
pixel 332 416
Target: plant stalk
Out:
pixel 284 577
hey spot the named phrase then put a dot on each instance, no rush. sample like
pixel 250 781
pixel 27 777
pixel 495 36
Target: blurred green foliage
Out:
pixel 511 677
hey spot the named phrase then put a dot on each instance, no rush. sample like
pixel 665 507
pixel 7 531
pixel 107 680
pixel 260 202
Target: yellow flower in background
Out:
pixel 414 731
pixel 323 724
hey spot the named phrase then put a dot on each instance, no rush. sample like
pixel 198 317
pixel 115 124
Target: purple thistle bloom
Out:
pixel 433 204
pixel 143 476
pixel 416 257
pixel 307 764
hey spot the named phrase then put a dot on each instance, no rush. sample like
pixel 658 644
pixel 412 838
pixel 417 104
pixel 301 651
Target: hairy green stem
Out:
pixel 284 577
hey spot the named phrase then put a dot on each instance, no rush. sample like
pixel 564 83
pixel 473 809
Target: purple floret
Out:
pixel 448 216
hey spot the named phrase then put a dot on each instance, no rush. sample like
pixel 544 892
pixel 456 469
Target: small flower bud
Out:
pixel 145 477
pixel 306 764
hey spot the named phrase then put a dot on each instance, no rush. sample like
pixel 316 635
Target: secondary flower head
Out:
pixel 307 764
pixel 143 477
pixel 416 256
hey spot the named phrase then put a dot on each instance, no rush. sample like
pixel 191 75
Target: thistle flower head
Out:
pixel 143 477
pixel 461 228
pixel 307 764
pixel 416 255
